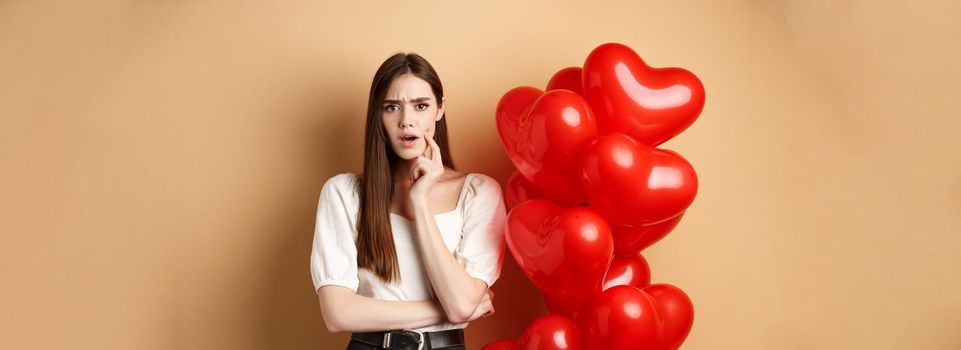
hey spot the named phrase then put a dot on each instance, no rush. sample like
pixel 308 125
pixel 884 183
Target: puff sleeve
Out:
pixel 481 250
pixel 333 258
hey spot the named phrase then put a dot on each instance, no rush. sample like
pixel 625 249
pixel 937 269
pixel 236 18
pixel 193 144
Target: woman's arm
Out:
pixel 458 292
pixel 345 311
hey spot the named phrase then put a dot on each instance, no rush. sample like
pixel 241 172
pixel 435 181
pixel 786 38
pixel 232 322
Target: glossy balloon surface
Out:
pixel 651 105
pixel 545 139
pixel 519 190
pixel 564 252
pixel 569 79
pixel 628 270
pixel 550 332
pixel 631 183
pixel 629 240
pixel 656 317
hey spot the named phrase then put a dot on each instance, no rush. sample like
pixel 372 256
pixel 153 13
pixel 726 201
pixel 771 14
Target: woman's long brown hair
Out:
pixel 375 241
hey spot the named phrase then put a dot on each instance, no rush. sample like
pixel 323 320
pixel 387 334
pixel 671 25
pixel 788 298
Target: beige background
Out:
pixel 161 161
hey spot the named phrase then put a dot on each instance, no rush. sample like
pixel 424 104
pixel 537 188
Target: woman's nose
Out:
pixel 406 119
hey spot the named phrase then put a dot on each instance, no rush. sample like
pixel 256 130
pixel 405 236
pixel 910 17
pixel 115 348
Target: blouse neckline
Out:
pixel 460 200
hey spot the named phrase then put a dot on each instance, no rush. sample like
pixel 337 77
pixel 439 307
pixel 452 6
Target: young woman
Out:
pixel 404 254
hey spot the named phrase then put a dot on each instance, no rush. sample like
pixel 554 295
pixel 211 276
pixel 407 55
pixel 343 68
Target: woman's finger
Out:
pixel 435 151
pixel 421 167
pixel 427 151
pixel 416 170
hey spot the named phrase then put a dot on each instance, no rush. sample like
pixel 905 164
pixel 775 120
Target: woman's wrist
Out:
pixel 417 201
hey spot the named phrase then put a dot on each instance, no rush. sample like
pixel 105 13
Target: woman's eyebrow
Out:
pixel 419 99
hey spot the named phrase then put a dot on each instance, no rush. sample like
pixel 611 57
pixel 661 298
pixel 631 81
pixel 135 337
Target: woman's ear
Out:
pixel 440 111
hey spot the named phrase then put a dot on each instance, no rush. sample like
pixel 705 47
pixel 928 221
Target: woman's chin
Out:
pixel 408 154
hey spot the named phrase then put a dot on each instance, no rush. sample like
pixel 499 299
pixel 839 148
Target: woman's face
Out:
pixel 410 112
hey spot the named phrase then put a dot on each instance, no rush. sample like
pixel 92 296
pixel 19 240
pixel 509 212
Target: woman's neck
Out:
pixel 401 173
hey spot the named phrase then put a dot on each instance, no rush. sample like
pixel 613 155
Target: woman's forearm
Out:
pixel 345 311
pixel 458 292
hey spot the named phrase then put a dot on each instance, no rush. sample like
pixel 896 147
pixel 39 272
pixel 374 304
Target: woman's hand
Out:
pixel 427 169
pixel 486 306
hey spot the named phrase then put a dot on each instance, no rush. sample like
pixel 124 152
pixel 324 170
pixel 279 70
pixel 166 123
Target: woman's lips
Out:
pixel 409 143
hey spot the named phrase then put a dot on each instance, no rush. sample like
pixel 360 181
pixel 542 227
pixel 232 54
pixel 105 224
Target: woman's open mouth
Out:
pixel 408 140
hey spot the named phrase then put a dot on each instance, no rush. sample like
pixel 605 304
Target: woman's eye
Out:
pixel 389 108
pixel 423 104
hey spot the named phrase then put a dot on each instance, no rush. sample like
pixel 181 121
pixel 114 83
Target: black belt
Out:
pixel 408 339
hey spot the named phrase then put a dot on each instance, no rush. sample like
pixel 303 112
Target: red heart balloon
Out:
pixel 500 344
pixel 622 317
pixel 624 270
pixel 657 317
pixel 519 190
pixel 564 252
pixel 631 183
pixel 568 79
pixel 550 332
pixel 629 240
pixel 676 311
pixel 627 270
pixel 545 141
pixel 628 96
pixel 557 307
pixel 511 111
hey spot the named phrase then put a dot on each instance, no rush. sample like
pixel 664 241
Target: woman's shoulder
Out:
pixel 343 183
pixel 481 183
pixel 342 179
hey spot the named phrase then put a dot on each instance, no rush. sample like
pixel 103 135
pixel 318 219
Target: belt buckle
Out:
pixel 386 343
pixel 420 339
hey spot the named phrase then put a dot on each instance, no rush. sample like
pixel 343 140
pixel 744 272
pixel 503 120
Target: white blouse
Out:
pixel 473 232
